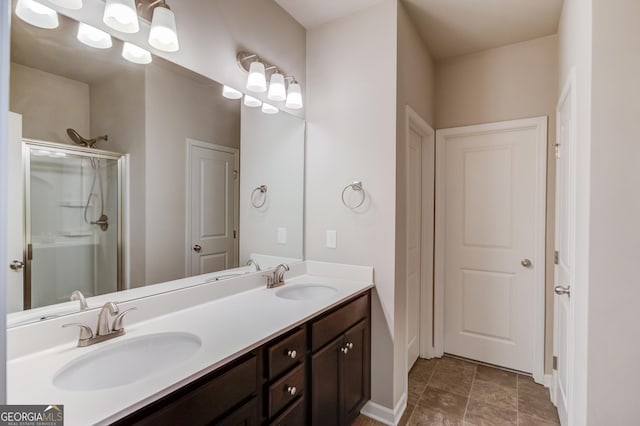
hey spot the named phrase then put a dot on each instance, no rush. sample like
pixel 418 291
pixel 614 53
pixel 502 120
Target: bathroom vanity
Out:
pixel 242 354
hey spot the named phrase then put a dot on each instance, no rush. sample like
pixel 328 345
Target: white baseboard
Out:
pixel 547 380
pixel 383 414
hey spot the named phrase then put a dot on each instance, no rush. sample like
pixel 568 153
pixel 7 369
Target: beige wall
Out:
pixel 118 110
pixel 506 83
pixel 49 104
pixel 179 105
pixel 415 88
pixel 614 330
pixel 351 135
pixel 574 40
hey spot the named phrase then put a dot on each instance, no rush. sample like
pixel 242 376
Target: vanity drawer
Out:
pixel 294 416
pixel 286 390
pixel 326 329
pixel 286 353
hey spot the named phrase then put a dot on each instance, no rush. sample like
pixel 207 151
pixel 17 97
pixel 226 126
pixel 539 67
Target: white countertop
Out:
pixel 229 326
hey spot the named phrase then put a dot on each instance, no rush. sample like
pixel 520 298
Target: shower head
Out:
pixel 76 138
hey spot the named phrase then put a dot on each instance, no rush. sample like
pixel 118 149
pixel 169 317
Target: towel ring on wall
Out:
pixel 355 186
pixel 263 190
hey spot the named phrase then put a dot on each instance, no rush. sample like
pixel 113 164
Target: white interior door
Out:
pixel 565 248
pixel 494 189
pixel 15 217
pixel 420 175
pixel 212 207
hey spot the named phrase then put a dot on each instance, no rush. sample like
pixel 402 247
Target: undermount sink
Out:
pixel 306 291
pixel 127 361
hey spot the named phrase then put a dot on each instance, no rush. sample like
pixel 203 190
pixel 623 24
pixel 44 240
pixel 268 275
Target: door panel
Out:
pixel 353 370
pixel 15 216
pixel 490 188
pixel 212 209
pixel 414 246
pixel 325 401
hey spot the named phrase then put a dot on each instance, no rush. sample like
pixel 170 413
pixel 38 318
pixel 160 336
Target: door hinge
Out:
pixel 556 257
pixel 29 251
pixel 235 174
pixel 557 150
pixel 555 362
pixel 234 234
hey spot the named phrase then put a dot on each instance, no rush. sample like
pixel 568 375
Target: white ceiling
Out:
pixel 450 27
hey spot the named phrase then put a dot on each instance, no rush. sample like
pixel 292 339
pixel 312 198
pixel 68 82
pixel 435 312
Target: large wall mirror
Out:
pixel 175 180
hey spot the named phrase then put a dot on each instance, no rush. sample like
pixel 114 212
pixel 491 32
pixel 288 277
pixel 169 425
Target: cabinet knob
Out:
pixel 291 353
pixel 350 345
pixel 291 390
pixel 344 350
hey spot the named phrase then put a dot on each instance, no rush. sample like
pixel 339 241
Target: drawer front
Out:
pixel 294 416
pixel 286 353
pixel 209 401
pixel 326 329
pixel 285 390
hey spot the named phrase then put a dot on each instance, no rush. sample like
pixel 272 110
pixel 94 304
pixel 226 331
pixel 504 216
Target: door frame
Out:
pixel 236 191
pixel 413 121
pixel 540 124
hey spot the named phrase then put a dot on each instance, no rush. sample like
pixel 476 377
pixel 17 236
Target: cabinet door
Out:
pixel 355 370
pixel 325 403
pixel 247 415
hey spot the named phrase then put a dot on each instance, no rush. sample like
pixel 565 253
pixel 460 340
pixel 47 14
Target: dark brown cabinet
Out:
pixel 340 370
pixel 317 373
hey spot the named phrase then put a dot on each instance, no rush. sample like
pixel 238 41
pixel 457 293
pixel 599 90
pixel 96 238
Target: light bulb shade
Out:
pixel 231 93
pixel 277 91
pixel 135 54
pixel 163 35
pixel 121 15
pixel 252 102
pixel 93 37
pixel 36 14
pixel 269 109
pixel 68 4
pixel 257 82
pixel 294 96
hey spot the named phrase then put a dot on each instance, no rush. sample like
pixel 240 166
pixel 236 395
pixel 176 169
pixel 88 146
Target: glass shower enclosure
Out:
pixel 73 222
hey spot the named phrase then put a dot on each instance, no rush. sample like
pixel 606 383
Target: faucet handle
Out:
pixel 85 331
pixel 117 322
pixel 270 279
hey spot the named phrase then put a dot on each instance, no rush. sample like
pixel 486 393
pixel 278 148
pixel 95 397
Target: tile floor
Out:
pixel 451 392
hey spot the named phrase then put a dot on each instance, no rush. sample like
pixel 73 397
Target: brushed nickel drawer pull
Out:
pixel 291 353
pixel 291 390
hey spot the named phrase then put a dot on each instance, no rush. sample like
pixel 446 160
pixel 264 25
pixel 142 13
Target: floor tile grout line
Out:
pixel 466 407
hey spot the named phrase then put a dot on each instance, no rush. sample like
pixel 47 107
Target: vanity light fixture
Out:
pixel 259 70
pixel 121 15
pixel 231 93
pixel 269 109
pixel 37 14
pixel 68 4
pixel 135 54
pixel 252 102
pixel 163 35
pixel 93 37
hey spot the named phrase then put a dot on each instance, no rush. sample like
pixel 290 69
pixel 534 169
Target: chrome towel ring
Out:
pixel 263 190
pixel 357 187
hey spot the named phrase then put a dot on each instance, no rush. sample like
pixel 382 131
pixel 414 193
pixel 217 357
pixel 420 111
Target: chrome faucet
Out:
pixel 103 330
pixel 77 295
pixel 277 279
pixel 254 263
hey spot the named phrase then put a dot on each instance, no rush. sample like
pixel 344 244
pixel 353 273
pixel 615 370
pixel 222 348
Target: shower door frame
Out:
pixel 27 144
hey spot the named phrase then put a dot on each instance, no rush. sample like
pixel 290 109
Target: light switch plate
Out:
pixel 332 239
pixel 282 235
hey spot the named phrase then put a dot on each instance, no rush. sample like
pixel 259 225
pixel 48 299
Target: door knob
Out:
pixel 561 291
pixel 16 265
pixel 526 263
pixel 197 248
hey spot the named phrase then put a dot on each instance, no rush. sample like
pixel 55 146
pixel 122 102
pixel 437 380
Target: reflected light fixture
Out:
pixel 68 4
pixel 121 15
pixel 135 54
pixel 269 109
pixel 231 93
pixel 163 35
pixel 36 14
pixel 277 90
pixel 294 96
pixel 258 70
pixel 93 37
pixel 252 102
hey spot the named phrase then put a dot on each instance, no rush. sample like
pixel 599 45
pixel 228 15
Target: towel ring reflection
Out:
pixel 263 190
pixel 357 187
